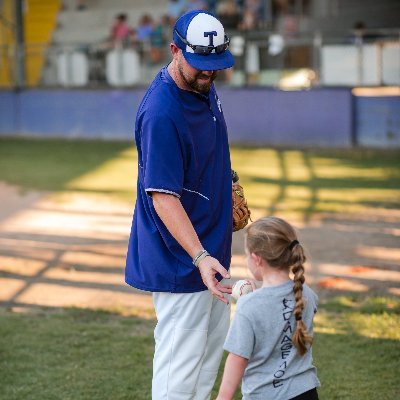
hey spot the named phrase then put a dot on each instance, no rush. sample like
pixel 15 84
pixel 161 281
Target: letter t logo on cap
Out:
pixel 210 37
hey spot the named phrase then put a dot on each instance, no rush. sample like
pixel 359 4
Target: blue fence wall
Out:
pixel 8 112
pixel 63 113
pixel 322 117
pixel 377 121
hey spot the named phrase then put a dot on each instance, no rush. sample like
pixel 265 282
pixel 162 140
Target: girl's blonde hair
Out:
pixel 275 241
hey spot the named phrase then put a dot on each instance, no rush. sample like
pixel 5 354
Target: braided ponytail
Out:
pixel 275 241
pixel 300 338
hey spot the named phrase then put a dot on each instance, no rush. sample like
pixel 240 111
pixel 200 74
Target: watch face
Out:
pixel 235 176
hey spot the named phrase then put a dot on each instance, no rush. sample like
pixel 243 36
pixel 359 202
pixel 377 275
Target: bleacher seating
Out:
pixel 261 60
pixel 93 24
pixel 72 69
pixel 123 68
pixel 79 30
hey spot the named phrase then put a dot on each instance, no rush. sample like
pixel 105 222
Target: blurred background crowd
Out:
pixel 278 43
pixel 150 36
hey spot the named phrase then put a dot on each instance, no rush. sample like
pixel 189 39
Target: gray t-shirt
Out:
pixel 261 331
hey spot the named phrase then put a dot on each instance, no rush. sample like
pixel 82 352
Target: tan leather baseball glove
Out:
pixel 241 213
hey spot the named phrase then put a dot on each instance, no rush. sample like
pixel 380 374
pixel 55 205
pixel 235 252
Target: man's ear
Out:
pixel 174 49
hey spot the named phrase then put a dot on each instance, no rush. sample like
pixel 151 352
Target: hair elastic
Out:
pixel 298 317
pixel 294 243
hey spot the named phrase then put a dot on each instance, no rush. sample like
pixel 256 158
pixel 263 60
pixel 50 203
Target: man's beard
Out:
pixel 193 82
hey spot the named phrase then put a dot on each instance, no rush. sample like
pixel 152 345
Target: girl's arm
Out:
pixel 233 373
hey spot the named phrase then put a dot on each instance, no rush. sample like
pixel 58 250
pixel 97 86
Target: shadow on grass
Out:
pixel 364 304
pixel 79 268
pixel 52 164
pixel 69 353
pixel 75 354
pixel 75 252
pixel 352 366
pixel 329 183
pixel 328 177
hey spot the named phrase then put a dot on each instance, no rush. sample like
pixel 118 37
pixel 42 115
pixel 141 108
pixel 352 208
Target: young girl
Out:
pixel 270 337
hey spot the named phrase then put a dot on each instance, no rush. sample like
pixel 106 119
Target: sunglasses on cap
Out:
pixel 205 50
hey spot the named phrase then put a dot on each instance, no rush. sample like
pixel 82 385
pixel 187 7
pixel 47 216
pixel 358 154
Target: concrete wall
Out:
pixel 319 117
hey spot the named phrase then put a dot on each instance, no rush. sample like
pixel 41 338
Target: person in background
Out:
pixel 212 6
pixel 121 32
pixel 228 13
pixel 80 5
pixel 145 27
pixel 144 32
pixel 251 15
pixel 175 9
pixel 159 38
pixel 269 341
pixel 193 5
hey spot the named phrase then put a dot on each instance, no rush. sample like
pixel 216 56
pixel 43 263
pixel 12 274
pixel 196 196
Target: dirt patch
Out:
pixel 69 250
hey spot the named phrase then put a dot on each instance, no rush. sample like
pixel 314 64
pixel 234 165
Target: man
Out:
pixel 180 244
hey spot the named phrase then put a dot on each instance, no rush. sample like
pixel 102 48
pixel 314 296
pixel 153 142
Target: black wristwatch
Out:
pixel 235 176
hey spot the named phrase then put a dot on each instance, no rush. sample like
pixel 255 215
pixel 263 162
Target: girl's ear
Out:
pixel 256 259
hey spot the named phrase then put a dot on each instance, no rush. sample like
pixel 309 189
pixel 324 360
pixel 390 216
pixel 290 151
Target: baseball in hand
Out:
pixel 241 288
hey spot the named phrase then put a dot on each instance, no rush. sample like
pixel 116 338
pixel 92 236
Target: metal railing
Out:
pixel 262 58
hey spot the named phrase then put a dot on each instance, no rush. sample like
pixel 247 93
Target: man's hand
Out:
pixel 208 268
pixel 171 212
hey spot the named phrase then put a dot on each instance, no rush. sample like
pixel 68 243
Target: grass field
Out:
pixel 64 353
pixel 74 354
pixel 289 181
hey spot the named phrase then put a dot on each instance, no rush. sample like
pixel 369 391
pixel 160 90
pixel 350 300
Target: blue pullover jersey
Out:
pixel 182 144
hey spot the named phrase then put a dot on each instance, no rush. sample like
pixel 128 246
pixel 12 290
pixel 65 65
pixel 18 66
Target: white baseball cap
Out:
pixel 203 42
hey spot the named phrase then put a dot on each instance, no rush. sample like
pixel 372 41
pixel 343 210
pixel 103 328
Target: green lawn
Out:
pixel 63 165
pixel 81 354
pixel 275 180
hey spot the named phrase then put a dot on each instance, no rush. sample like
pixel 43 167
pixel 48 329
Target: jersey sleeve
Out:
pixel 240 339
pixel 162 156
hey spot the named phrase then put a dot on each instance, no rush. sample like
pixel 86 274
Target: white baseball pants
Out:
pixel 189 336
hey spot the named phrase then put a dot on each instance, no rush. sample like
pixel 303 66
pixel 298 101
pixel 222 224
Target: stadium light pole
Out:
pixel 19 45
